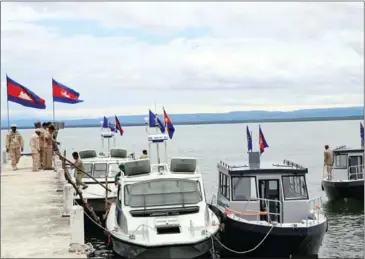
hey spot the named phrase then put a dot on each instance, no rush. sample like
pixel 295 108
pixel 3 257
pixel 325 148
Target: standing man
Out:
pixel 144 154
pixel 41 143
pixel 328 161
pixel 14 145
pixel 35 148
pixel 80 169
pixel 48 148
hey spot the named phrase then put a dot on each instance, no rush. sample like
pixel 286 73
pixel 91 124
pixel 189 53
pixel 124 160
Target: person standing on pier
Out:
pixel 14 145
pixel 41 143
pixel 35 148
pixel 80 169
pixel 48 148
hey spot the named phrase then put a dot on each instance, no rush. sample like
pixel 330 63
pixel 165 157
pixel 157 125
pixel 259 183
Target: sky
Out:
pixel 188 57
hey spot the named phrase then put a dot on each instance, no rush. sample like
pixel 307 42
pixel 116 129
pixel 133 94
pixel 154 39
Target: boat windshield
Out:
pixel 113 169
pixel 100 169
pixel 162 192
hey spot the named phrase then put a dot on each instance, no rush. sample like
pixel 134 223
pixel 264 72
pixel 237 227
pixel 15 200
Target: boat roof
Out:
pixel 345 150
pixel 143 170
pixel 284 167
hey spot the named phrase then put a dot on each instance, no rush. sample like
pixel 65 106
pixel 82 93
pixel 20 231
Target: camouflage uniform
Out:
pixel 47 150
pixel 14 144
pixel 35 148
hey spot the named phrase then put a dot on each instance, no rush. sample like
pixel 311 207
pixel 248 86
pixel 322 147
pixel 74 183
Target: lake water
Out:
pixel 301 142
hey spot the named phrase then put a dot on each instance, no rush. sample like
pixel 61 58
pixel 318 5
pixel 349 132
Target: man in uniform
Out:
pixel 80 169
pixel 328 161
pixel 35 148
pixel 41 143
pixel 48 148
pixel 144 154
pixel 14 145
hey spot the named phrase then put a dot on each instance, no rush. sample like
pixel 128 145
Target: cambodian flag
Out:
pixel 118 127
pixel 168 124
pixel 63 94
pixel 262 141
pixel 18 93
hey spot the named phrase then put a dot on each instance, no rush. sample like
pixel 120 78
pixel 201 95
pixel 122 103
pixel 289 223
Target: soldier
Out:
pixel 48 148
pixel 41 143
pixel 328 161
pixel 80 169
pixel 144 154
pixel 35 148
pixel 14 145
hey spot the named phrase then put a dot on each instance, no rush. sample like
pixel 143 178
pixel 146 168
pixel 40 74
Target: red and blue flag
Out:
pixel 18 93
pixel 168 124
pixel 118 127
pixel 64 94
pixel 262 141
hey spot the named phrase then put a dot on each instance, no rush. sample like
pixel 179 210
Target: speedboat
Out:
pixel 161 210
pixel 346 179
pixel 102 167
pixel 268 207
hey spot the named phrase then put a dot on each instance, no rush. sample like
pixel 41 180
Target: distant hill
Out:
pixel 214 118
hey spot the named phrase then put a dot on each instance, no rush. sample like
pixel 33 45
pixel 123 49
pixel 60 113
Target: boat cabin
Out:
pixel 272 192
pixel 102 165
pixel 348 164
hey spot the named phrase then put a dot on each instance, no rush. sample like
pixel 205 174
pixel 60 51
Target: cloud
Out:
pixel 189 57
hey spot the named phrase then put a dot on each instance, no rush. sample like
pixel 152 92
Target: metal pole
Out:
pixel 54 120
pixel 8 114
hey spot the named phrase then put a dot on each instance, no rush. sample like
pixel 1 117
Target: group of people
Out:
pixel 42 144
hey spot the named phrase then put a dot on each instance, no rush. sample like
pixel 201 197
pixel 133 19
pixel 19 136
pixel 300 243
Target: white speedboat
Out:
pixel 103 167
pixel 161 210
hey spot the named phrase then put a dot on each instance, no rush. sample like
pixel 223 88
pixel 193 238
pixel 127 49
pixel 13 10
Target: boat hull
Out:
pixel 130 250
pixel 341 190
pixel 280 243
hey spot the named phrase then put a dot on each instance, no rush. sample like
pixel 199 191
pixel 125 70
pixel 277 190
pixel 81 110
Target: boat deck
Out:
pixel 31 214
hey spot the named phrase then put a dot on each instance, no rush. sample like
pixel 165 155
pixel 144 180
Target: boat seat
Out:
pixel 183 165
pixel 137 167
pixel 87 154
pixel 118 153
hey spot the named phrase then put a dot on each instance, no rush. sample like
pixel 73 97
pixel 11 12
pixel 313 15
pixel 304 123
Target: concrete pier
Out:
pixel 31 214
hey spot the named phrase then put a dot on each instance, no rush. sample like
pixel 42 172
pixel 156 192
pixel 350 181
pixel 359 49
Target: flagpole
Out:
pixel 251 142
pixel 54 120
pixel 7 102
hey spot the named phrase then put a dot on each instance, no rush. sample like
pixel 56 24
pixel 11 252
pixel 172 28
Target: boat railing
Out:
pixel 258 213
pixel 314 209
pixel 355 172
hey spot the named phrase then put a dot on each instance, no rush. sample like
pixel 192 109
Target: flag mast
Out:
pixel 7 102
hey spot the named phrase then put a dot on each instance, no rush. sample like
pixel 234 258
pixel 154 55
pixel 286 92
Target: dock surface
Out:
pixel 31 214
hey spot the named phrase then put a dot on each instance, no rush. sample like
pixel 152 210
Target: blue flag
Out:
pixel 362 132
pixel 249 139
pixel 152 121
pixel 105 123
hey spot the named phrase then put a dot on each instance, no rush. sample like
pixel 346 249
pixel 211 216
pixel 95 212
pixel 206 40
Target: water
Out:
pixel 301 142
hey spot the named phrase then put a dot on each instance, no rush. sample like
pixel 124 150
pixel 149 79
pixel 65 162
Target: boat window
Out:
pixel 244 188
pixel 295 187
pixel 100 170
pixel 340 161
pixel 113 169
pixel 224 185
pixel 88 169
pixel 162 192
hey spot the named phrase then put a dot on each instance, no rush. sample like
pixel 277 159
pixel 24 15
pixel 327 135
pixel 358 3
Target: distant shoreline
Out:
pixel 309 119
